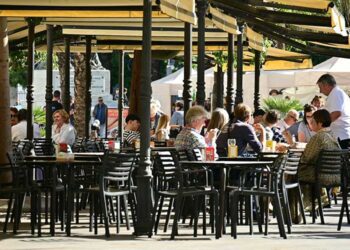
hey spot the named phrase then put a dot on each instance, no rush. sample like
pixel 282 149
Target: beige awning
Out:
pixel 183 10
pixel 224 22
pixel 255 40
pixel 314 4
pixel 73 3
pixel 125 33
pixel 284 65
pixel 114 22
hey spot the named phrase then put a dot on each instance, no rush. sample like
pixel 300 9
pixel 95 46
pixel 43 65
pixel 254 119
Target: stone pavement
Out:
pixel 309 236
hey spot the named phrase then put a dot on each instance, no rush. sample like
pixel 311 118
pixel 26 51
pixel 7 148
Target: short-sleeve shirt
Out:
pixel 177 118
pixel 306 130
pixel 338 100
pixel 129 136
pixel 188 139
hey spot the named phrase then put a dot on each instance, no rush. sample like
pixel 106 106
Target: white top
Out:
pixel 307 132
pixel 338 100
pixel 64 135
pixel 19 131
pixel 282 125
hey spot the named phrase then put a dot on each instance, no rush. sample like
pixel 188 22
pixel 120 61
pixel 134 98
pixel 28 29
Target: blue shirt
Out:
pixel 177 118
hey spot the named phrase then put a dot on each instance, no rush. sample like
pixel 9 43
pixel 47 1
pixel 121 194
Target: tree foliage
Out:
pixel 18 65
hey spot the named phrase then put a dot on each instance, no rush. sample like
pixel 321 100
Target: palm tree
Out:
pixel 79 92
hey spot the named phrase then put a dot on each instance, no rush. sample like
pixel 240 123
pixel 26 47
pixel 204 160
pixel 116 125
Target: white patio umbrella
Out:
pixel 338 67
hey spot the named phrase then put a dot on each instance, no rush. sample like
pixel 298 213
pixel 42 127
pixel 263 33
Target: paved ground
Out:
pixel 309 236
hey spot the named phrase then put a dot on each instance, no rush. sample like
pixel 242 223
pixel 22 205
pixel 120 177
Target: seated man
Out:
pixel 291 118
pixel 190 138
pixel 131 130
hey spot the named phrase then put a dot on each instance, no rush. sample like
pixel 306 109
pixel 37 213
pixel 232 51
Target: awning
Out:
pixel 255 40
pixel 183 10
pixel 313 4
pixel 224 22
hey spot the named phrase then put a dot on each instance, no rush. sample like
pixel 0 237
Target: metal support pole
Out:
pixel 49 67
pixel 121 97
pixel 239 88
pixel 65 95
pixel 144 173
pixel 201 9
pixel 219 88
pixel 30 63
pixel 88 86
pixel 187 91
pixel 229 87
pixel 257 81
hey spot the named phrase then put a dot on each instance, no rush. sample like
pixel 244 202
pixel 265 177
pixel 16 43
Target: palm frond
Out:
pixel 282 105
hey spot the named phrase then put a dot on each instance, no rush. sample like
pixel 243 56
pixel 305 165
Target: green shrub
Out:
pixel 282 105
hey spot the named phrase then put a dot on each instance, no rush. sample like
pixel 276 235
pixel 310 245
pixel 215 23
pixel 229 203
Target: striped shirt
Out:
pixel 130 136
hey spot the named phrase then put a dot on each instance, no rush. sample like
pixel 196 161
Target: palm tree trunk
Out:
pixel 5 131
pixel 61 72
pixel 79 93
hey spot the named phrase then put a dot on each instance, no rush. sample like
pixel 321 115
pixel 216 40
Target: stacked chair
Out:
pixel 177 183
pixel 115 180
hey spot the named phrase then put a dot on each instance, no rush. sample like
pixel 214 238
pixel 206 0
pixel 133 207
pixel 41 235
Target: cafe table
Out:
pixel 223 166
pixel 69 166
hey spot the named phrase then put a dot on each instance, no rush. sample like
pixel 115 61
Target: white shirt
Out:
pixel 66 134
pixel 338 100
pixel 19 131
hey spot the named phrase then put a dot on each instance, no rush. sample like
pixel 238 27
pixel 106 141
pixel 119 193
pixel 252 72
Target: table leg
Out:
pixel 222 201
pixel 70 200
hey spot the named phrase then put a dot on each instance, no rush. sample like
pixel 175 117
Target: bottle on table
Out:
pixel 232 148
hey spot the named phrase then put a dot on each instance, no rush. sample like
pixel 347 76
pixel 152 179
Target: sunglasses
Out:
pixel 13 116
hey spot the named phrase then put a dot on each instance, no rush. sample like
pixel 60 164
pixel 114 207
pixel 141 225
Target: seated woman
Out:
pixel 323 139
pixel 219 118
pixel 163 128
pixel 304 131
pixel 242 131
pixel 62 131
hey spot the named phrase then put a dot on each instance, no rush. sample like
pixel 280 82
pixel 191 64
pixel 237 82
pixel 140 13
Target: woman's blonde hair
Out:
pixel 162 124
pixel 219 118
pixel 63 113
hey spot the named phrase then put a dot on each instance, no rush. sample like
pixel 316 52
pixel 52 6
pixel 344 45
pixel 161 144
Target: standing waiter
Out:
pixel 338 105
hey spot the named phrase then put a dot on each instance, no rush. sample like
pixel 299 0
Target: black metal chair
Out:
pixel 290 181
pixel 345 191
pixel 178 182
pixel 115 180
pixel 329 166
pixel 14 190
pixel 160 143
pixel 250 185
pixel 43 147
